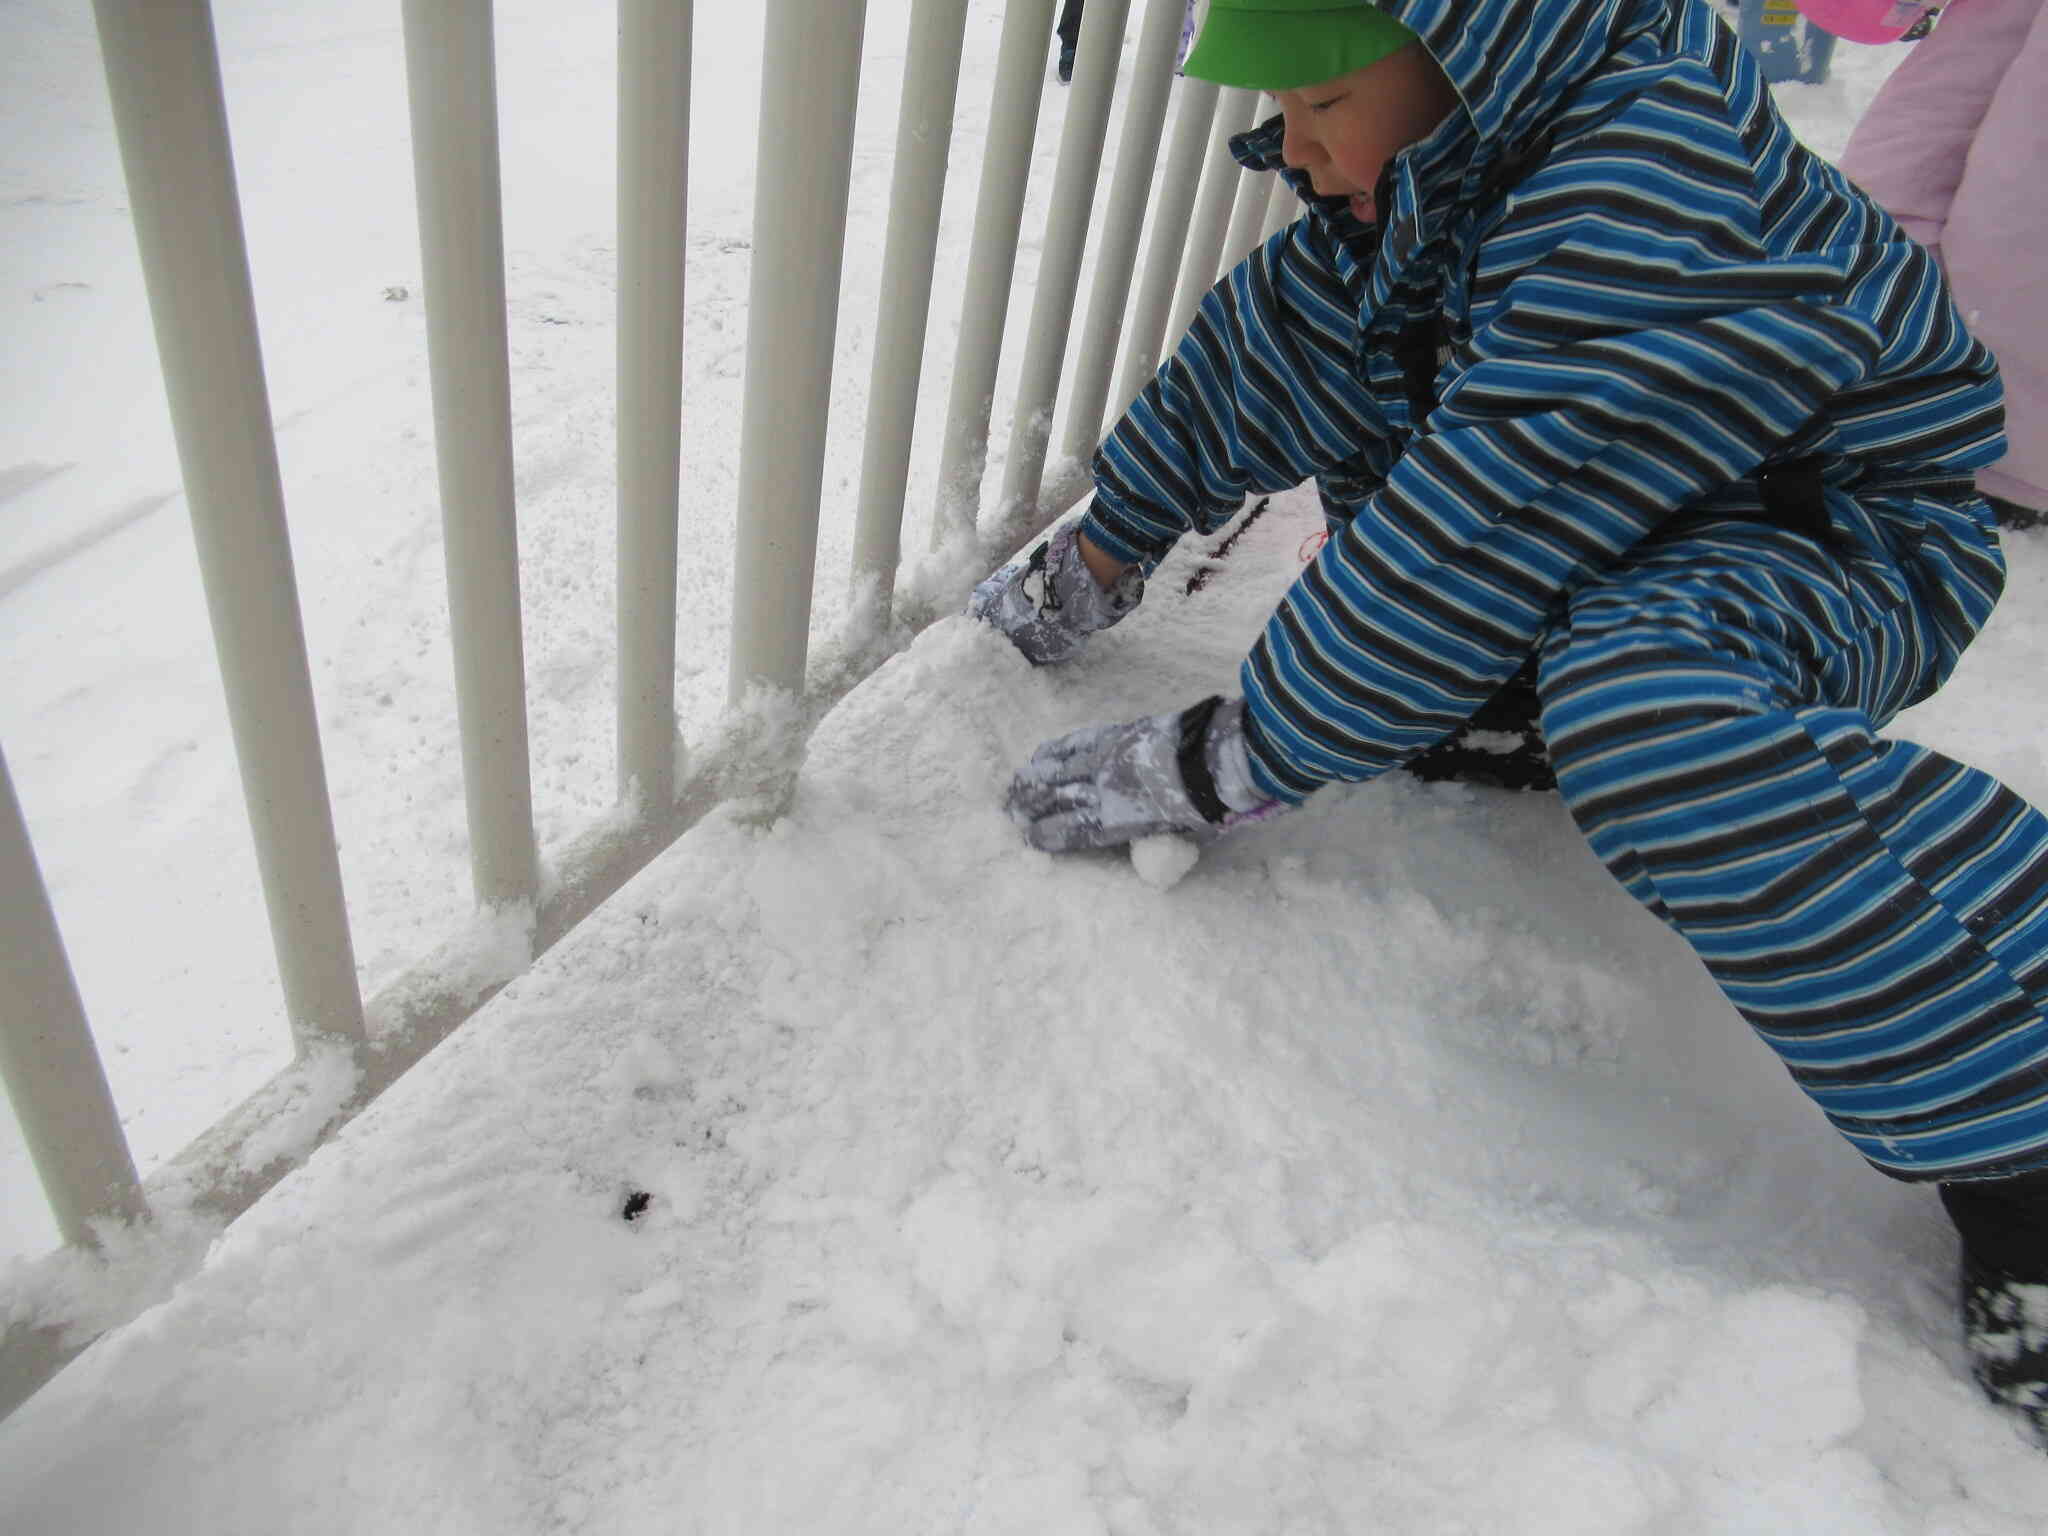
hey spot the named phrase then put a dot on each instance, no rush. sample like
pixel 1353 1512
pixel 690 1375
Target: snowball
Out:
pixel 1161 861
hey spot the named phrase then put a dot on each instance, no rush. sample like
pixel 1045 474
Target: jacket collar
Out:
pixel 1417 192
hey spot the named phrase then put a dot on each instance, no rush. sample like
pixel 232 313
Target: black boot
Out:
pixel 2004 1227
pixel 2005 1325
pixel 2010 515
pixel 1501 745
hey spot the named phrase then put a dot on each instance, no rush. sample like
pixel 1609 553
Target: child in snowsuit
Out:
pixel 1953 146
pixel 1594 363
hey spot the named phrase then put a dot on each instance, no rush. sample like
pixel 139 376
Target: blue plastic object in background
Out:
pixel 1786 44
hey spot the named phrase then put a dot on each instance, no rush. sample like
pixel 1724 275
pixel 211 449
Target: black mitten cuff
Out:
pixel 1194 760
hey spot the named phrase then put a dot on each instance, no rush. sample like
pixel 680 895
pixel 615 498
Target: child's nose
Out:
pixel 1297 147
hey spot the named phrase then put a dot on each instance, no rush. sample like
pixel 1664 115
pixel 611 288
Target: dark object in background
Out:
pixel 2010 514
pixel 1069 31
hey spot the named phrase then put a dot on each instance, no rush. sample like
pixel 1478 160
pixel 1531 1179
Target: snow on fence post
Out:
pixel 924 131
pixel 163 74
pixel 812 69
pixel 1173 202
pixel 451 80
pixel 991 264
pixel 1206 229
pixel 653 203
pixel 451 83
pixel 47 1057
pixel 1116 252
pixel 1248 210
pixel 1059 264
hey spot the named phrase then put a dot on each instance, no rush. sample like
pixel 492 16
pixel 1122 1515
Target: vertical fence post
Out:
pixel 1248 210
pixel 991 263
pixel 654 180
pixel 924 131
pixel 1173 202
pixel 1059 263
pixel 451 81
pixel 1116 252
pixel 1220 177
pixel 812 75
pixel 163 73
pixel 52 1071
pixel 1247 217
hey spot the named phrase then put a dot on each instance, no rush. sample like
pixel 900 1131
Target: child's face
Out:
pixel 1343 131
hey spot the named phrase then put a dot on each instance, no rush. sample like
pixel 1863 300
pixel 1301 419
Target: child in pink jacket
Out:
pixel 1955 146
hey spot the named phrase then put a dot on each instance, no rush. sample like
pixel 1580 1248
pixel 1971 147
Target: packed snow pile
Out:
pixel 1163 860
pixel 1389 1171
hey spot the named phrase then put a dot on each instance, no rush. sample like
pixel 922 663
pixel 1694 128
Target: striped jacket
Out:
pixel 1613 289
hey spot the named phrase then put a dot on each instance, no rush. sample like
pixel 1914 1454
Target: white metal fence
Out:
pixel 163 75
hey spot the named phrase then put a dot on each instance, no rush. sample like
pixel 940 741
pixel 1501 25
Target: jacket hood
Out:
pixel 1515 65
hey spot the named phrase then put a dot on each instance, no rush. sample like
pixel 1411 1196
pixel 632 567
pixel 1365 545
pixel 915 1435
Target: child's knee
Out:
pixel 1622 706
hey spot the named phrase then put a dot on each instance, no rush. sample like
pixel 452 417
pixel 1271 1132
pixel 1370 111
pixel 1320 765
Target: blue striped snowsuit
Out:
pixel 1628 380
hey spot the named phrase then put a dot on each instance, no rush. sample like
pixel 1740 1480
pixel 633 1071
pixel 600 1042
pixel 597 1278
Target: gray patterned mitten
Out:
pixel 1068 605
pixel 1187 772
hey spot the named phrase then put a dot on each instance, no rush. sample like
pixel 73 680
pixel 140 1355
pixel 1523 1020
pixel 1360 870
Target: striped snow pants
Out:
pixel 1876 911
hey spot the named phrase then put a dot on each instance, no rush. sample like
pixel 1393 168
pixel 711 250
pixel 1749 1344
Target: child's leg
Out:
pixel 1877 912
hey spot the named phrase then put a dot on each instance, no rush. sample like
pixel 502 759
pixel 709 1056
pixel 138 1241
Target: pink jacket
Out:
pixel 1955 146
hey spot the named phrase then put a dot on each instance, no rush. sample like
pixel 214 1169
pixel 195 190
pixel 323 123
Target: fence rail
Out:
pixel 163 75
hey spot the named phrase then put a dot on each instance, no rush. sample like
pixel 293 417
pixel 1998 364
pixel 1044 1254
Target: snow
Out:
pixel 1385 1170
pixel 1162 861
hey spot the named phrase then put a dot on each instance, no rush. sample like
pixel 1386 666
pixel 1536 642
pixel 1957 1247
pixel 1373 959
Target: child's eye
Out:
pixel 1324 106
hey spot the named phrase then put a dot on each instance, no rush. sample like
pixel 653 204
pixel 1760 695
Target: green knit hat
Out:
pixel 1282 45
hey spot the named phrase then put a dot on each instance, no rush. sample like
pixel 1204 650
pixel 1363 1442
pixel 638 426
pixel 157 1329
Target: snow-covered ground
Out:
pixel 1390 1171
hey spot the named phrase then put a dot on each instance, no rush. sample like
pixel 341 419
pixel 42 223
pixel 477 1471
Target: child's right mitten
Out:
pixel 1049 602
